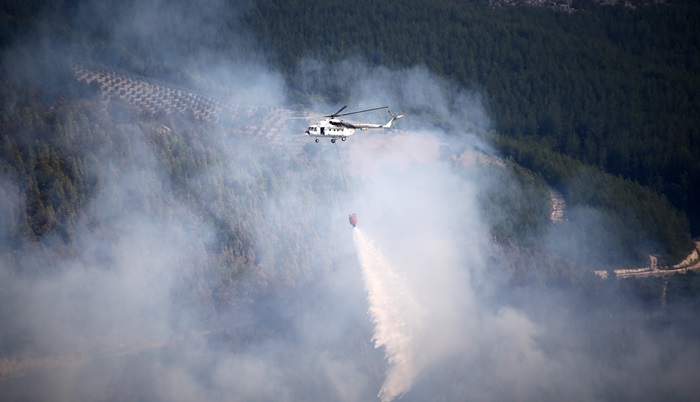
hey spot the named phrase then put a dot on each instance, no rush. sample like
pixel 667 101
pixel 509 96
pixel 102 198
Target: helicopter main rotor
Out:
pixel 337 114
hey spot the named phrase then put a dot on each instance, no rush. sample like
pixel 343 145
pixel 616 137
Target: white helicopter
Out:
pixel 334 128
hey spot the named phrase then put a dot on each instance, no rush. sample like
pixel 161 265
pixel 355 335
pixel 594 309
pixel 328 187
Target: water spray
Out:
pixel 394 313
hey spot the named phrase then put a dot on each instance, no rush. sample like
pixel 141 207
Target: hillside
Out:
pixel 610 87
pixel 208 231
pixel 214 222
pixel 168 233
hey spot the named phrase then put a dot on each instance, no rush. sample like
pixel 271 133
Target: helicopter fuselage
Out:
pixel 330 128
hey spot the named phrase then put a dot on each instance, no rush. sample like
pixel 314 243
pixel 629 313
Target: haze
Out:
pixel 415 303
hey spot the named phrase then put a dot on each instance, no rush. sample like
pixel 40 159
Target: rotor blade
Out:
pixel 361 111
pixel 309 116
pixel 336 113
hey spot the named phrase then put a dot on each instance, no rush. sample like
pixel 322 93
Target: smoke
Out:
pixel 423 302
pixel 150 297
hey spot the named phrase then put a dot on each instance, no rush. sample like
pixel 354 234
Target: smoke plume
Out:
pixel 239 280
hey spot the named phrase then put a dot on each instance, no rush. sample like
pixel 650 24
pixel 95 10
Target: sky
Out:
pixel 415 303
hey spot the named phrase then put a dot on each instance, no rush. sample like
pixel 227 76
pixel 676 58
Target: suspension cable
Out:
pixel 341 167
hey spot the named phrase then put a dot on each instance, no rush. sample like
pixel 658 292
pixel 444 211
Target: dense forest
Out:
pixel 121 224
pixel 612 88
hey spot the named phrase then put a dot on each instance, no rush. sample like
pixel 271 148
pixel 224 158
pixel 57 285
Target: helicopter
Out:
pixel 332 127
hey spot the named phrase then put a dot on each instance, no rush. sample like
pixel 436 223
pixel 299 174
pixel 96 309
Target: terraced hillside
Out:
pixel 267 123
pixel 150 96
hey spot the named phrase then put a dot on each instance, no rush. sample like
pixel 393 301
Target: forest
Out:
pixel 201 223
pixel 613 88
pixel 610 89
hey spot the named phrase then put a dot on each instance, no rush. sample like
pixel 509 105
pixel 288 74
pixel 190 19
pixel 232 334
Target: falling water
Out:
pixel 394 313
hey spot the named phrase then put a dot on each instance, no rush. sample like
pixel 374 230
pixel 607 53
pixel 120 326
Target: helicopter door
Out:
pixel 323 131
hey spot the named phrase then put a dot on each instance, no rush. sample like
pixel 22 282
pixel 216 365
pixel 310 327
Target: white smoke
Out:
pixel 120 306
pixel 418 265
